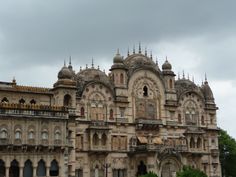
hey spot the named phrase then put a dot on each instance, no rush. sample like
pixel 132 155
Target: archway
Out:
pixel 14 169
pixel 169 168
pixel 54 169
pixel 67 101
pixel 28 169
pixel 41 169
pixel 2 168
pixel 142 169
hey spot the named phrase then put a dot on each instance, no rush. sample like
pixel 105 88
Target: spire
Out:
pixel 134 49
pixel 151 54
pixel 183 75
pixel 156 61
pixel 86 66
pixel 128 52
pixel 166 58
pixel 188 76
pixel 70 66
pixel 206 82
pixel 64 63
pixel 80 68
pixel 92 63
pixel 14 80
pixel 193 79
pixel 118 51
pixel 139 48
pixel 98 67
pixel 178 76
pixel 145 51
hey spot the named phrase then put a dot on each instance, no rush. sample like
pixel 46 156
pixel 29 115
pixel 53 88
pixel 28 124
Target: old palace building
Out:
pixel 138 118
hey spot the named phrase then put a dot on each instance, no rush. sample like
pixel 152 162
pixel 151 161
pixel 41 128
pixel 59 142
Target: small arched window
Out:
pixel 32 101
pixel 192 143
pixel 199 143
pixel 202 120
pixel 18 134
pixel 145 91
pixel 31 134
pixel 45 135
pixel 22 101
pixel 82 111
pixel 5 100
pixel 171 83
pixel 121 78
pixel 104 139
pixel 57 135
pixel 111 114
pixel 67 100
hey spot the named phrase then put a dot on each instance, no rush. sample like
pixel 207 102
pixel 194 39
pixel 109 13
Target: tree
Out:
pixel 149 174
pixel 227 147
pixel 190 172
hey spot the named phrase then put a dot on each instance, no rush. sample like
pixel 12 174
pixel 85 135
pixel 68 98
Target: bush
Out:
pixel 149 174
pixel 190 172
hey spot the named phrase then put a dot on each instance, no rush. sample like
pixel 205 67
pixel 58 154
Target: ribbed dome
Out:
pixel 65 73
pixel 207 92
pixel 118 58
pixel 138 59
pixel 166 66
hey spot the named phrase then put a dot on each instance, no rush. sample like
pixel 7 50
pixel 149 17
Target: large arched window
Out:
pixel 44 134
pixel 57 135
pixel 67 100
pixel 14 170
pixel 18 134
pixel 28 169
pixel 41 169
pixel 191 115
pixel 54 168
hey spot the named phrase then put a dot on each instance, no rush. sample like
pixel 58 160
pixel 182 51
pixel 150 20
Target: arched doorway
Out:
pixel 169 168
pixel 41 169
pixel 54 169
pixel 2 168
pixel 28 169
pixel 142 169
pixel 67 100
pixel 14 169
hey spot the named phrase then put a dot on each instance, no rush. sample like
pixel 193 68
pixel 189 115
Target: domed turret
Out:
pixel 166 65
pixel 207 92
pixel 118 58
pixel 65 73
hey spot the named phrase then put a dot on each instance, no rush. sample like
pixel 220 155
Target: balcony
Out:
pixel 28 110
pixel 98 125
pixel 122 120
pixel 142 123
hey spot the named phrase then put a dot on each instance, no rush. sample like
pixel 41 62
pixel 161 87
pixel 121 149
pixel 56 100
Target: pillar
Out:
pixel 7 171
pixel 21 171
pixel 47 171
pixel 34 171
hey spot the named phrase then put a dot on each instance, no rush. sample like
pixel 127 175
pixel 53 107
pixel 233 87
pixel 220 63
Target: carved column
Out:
pixel 7 171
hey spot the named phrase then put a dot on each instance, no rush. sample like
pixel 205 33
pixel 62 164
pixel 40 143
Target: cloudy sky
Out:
pixel 197 36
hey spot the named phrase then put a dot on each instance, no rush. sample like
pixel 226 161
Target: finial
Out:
pixel 86 66
pixel 188 76
pixel 156 61
pixel 70 66
pixel 70 60
pixel 65 63
pixel 151 54
pixel 193 79
pixel 183 75
pixel 98 67
pixel 166 58
pixel 178 76
pixel 80 68
pixel 134 49
pixel 118 51
pixel 92 63
pixel 14 79
pixel 139 48
pixel 145 51
pixel 128 52
pixel 205 77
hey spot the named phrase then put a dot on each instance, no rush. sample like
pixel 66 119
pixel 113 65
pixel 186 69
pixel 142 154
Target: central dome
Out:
pixel 138 59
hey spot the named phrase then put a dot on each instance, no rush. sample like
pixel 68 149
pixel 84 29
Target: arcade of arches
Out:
pixel 28 170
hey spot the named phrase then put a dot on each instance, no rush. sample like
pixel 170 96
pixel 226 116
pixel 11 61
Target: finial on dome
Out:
pixel 156 61
pixel 70 66
pixel 92 63
pixel 178 76
pixel 128 52
pixel 86 66
pixel 145 51
pixel 80 68
pixel 188 76
pixel 205 77
pixel 65 63
pixel 14 80
pixel 98 67
pixel 118 51
pixel 183 75
pixel 193 79
pixel 151 54
pixel 134 49
pixel 139 48
pixel 166 58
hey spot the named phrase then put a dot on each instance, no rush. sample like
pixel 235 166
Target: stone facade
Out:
pixel 138 118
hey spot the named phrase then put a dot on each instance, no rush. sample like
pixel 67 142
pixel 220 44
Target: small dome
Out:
pixel 64 73
pixel 207 92
pixel 118 58
pixel 166 66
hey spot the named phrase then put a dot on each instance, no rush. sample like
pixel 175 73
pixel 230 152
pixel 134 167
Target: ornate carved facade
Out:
pixel 138 118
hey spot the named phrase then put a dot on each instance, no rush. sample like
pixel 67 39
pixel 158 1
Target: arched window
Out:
pixel 3 133
pixel 67 101
pixel 179 118
pixel 95 139
pixel 32 101
pixel 202 120
pixel 28 169
pixel 192 143
pixel 199 143
pixel 14 170
pixel 45 135
pixel 171 83
pixel 18 134
pixel 22 101
pixel 2 168
pixel 54 168
pixel 104 139
pixel 111 114
pixel 5 100
pixel 41 169
pixel 31 134
pixel 191 115
pixel 57 135
pixel 82 111
pixel 121 78
pixel 145 91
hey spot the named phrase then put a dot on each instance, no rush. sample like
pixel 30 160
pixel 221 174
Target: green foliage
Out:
pixel 190 172
pixel 227 146
pixel 149 174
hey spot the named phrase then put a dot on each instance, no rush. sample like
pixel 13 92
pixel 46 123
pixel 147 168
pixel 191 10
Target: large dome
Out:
pixel 138 59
